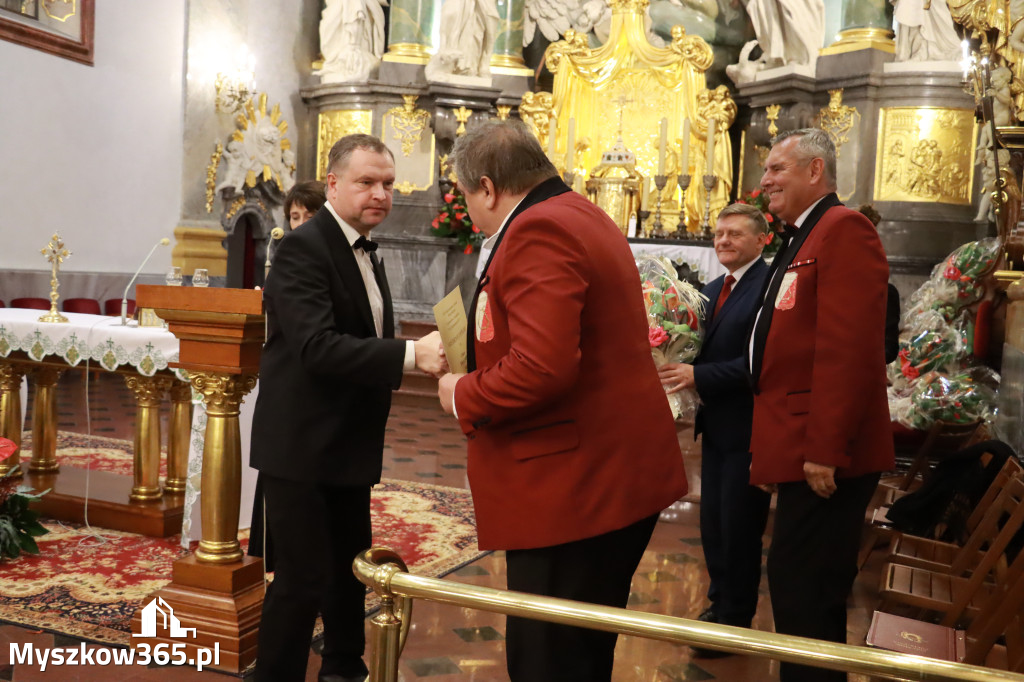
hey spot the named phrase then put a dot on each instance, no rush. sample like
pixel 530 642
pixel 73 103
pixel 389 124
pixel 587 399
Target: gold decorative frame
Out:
pixel 925 154
pixel 76 46
pixel 333 125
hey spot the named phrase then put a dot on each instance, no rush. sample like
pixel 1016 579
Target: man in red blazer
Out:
pixel 572 448
pixel 821 421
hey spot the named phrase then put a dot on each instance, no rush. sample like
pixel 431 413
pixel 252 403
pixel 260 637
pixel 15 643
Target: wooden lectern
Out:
pixel 217 589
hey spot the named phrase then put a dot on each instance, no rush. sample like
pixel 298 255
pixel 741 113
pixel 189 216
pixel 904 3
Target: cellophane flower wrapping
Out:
pixel 675 313
pixel 936 377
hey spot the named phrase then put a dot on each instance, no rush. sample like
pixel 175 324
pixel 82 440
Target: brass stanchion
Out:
pixel 149 393
pixel 178 439
pixel 44 420
pixel 222 464
pixel 11 415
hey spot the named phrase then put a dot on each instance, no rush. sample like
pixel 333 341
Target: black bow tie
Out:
pixel 789 231
pixel 365 244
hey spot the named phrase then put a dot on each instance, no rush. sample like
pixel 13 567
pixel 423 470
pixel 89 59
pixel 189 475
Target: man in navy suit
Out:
pixel 733 513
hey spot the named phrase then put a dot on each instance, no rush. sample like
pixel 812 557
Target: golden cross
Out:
pixel 55 252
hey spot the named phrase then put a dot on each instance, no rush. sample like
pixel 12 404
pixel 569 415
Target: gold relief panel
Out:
pixel 406 131
pixel 925 154
pixel 333 125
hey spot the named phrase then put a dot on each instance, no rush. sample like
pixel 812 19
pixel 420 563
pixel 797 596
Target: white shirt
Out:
pixel 737 275
pixel 797 224
pixel 372 289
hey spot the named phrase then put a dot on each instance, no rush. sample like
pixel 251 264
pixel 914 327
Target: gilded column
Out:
pixel 10 414
pixel 864 24
pixel 149 392
pixel 178 439
pixel 411 33
pixel 44 420
pixel 508 45
pixel 221 484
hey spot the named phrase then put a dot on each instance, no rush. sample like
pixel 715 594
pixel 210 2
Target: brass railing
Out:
pixel 383 570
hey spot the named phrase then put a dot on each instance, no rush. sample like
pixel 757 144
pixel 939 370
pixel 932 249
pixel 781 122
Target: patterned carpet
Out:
pixel 88 583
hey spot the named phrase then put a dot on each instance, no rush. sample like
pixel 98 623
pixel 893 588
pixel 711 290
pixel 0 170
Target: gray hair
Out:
pixel 758 223
pixel 343 148
pixel 813 143
pixel 504 151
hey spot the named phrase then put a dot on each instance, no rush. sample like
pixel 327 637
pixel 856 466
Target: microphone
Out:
pixel 124 299
pixel 275 234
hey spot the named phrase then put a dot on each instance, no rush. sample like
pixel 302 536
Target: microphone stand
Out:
pixel 124 299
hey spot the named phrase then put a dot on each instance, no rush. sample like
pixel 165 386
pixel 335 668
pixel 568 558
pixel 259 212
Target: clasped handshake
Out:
pixel 430 355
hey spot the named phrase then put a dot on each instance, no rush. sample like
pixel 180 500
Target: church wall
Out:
pixel 94 152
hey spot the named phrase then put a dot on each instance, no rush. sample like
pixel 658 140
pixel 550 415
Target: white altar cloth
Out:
pixel 701 259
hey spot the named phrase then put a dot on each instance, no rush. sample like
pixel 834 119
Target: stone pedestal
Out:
pixel 924 196
pixel 422 270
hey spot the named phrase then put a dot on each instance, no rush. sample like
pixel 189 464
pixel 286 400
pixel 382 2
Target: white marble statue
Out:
pixel 351 39
pixel 1002 113
pixel 788 31
pixel 259 148
pixel 468 30
pixel 746 68
pixel 925 31
pixel 988 179
pixel 237 161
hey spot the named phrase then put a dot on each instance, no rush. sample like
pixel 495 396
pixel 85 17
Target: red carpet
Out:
pixel 89 587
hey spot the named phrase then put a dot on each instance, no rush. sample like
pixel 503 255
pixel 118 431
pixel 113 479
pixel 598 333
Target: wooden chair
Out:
pixel 31 303
pixel 999 617
pixel 936 555
pixel 89 306
pixel 112 306
pixel 951 595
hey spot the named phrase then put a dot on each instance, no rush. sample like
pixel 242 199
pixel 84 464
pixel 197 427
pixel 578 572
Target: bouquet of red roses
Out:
pixel 454 221
pixel 674 313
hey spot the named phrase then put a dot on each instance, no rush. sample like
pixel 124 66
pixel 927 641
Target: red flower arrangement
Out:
pixel 454 221
pixel 759 200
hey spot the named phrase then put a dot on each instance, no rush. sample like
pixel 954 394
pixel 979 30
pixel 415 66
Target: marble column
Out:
pixel 508 45
pixel 412 30
pixel 864 24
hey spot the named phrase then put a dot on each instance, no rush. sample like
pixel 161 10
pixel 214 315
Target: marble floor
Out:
pixel 449 644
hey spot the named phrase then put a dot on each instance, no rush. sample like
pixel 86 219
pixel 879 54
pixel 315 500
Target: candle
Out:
pixel 552 128
pixel 647 192
pixel 684 161
pixel 709 163
pixel 662 139
pixel 965 63
pixel 570 151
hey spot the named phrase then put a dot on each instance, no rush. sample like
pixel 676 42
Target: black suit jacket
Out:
pixel 325 377
pixel 720 370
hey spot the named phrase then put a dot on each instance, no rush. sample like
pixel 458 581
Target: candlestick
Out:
pixel 709 184
pixel 570 151
pixel 662 140
pixel 709 162
pixel 684 184
pixel 684 161
pixel 552 129
pixel 642 216
pixel 659 181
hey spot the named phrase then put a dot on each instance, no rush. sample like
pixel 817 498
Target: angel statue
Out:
pixel 468 30
pixel 351 39
pixel 926 31
pixel 788 31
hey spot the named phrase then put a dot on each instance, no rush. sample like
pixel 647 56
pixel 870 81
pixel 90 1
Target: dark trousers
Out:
pixel 812 564
pixel 317 530
pixel 596 570
pixel 733 515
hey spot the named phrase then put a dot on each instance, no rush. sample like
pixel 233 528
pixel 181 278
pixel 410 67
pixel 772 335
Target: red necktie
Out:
pixel 726 289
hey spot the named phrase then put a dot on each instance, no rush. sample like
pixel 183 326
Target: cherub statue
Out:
pixel 237 160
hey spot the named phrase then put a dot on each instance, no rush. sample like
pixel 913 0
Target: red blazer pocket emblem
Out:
pixel 786 298
pixel 484 324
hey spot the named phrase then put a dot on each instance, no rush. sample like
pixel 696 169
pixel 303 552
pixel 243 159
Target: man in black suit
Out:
pixel 733 513
pixel 328 368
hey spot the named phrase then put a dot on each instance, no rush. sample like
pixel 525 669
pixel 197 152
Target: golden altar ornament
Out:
pixel 614 185
pixel 55 253
pixel 629 79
